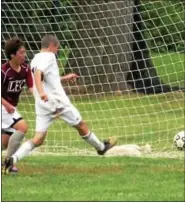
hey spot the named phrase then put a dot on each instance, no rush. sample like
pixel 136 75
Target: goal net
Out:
pixel 130 56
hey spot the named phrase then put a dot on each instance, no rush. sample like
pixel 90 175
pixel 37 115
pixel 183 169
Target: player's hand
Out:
pixel 72 77
pixel 44 96
pixel 9 108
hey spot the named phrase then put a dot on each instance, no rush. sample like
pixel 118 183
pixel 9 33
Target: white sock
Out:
pixel 91 139
pixel 23 151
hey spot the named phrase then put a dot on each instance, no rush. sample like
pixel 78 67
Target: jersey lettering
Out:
pixel 16 85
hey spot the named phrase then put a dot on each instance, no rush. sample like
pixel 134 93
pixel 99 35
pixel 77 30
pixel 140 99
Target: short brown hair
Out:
pixel 48 39
pixel 12 46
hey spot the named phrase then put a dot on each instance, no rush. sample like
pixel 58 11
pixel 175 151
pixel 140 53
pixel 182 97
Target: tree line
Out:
pixel 163 22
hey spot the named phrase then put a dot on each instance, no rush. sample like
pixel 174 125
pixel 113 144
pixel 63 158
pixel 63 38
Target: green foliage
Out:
pixel 30 20
pixel 63 58
pixel 164 25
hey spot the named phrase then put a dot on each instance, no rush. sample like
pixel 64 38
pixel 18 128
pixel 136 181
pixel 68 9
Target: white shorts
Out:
pixel 69 114
pixel 7 131
pixel 9 119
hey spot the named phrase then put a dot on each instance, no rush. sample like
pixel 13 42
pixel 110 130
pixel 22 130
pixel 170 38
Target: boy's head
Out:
pixel 51 43
pixel 15 50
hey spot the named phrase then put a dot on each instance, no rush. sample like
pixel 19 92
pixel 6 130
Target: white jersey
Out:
pixel 47 63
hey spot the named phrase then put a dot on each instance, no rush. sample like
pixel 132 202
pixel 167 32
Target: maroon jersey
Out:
pixel 12 82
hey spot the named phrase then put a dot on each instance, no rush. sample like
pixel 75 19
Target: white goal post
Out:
pixel 130 56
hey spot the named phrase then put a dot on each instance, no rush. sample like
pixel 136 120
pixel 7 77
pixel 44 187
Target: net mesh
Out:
pixel 125 52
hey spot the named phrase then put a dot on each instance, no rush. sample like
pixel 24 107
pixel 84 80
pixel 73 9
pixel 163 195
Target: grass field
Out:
pixel 170 68
pixel 133 118
pixel 95 179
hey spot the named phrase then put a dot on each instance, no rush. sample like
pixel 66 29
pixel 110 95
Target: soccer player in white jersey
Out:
pixel 51 101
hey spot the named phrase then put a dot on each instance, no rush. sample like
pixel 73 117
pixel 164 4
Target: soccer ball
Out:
pixel 179 140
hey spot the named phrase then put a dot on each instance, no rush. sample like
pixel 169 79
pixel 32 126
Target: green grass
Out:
pixel 170 67
pixel 58 178
pixel 133 118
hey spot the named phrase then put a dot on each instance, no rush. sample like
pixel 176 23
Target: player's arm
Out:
pixel 7 105
pixel 72 77
pixel 38 84
pixel 30 90
pixel 29 81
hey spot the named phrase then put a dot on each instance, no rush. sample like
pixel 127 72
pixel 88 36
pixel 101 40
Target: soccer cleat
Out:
pixel 7 165
pixel 14 169
pixel 109 143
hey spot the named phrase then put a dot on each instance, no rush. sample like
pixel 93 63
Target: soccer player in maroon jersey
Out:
pixel 15 73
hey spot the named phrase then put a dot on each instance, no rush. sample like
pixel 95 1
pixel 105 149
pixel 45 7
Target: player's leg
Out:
pixel 89 136
pixel 5 136
pixel 16 122
pixel 16 138
pixel 73 117
pixel 92 139
pixel 29 146
pixel 4 140
pixel 42 124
